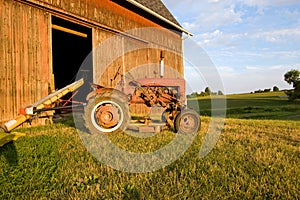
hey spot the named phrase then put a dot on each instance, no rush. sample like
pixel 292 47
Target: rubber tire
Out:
pixel 112 97
pixel 183 115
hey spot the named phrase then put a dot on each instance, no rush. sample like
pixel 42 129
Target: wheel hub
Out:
pixel 188 123
pixel 107 116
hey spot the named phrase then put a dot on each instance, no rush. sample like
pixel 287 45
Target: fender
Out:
pixel 100 90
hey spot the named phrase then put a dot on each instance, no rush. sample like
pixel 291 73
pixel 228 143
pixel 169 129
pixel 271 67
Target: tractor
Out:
pixel 146 102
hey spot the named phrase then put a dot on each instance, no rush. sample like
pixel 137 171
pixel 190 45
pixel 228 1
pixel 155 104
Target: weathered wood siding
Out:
pixel 24 56
pixel 108 19
pixel 118 54
pixel 104 12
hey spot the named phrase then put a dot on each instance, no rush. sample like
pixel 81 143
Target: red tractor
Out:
pixel 147 101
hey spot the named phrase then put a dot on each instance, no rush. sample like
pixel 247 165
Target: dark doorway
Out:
pixel 71 54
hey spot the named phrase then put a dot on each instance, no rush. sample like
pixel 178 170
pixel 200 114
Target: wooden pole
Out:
pixel 60 28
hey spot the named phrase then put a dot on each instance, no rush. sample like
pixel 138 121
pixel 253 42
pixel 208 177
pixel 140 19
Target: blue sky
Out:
pixel 252 43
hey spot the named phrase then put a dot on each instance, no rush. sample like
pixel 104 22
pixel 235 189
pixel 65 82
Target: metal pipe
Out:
pixel 60 108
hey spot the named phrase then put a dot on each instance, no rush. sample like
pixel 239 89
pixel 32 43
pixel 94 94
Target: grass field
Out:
pixel 253 159
pixel 270 105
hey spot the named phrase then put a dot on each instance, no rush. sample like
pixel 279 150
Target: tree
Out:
pixel 207 91
pixel 275 89
pixel 292 78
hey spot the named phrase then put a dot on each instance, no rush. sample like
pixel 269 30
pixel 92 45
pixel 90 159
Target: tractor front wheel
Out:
pixel 187 122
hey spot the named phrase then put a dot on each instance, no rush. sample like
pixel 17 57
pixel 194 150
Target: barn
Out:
pixel 44 44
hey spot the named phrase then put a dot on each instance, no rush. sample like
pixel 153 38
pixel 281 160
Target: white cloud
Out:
pixel 266 3
pixel 205 14
pixel 213 17
pixel 252 68
pixel 278 35
pixel 218 38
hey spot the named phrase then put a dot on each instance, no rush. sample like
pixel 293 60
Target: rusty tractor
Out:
pixel 147 103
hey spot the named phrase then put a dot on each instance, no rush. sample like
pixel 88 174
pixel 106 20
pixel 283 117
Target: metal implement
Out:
pixel 32 110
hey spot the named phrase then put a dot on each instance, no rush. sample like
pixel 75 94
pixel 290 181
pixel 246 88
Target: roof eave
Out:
pixel 159 16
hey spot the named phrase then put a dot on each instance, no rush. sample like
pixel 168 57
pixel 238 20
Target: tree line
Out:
pixel 207 92
pixel 275 89
pixel 292 77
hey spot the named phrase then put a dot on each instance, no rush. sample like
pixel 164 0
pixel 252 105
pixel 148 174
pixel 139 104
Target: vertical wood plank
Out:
pixel 22 52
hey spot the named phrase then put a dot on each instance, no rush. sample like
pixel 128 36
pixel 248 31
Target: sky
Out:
pixel 252 43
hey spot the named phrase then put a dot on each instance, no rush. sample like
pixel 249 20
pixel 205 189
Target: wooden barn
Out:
pixel 44 44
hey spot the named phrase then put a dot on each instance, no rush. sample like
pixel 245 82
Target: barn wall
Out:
pixel 105 12
pixel 116 55
pixel 25 51
pixel 24 56
pixel 108 19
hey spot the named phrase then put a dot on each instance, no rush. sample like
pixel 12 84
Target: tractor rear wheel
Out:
pixel 187 122
pixel 106 113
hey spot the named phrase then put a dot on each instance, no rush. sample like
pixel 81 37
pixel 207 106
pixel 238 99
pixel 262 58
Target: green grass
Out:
pixel 252 159
pixel 256 157
pixel 271 105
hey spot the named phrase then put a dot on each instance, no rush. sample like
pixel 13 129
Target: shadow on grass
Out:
pixel 73 120
pixel 9 152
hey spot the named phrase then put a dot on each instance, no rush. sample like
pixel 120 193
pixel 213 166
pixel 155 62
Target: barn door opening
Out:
pixel 71 45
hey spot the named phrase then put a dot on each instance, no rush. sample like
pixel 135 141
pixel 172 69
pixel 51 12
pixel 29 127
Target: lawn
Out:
pixel 252 159
pixel 256 157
